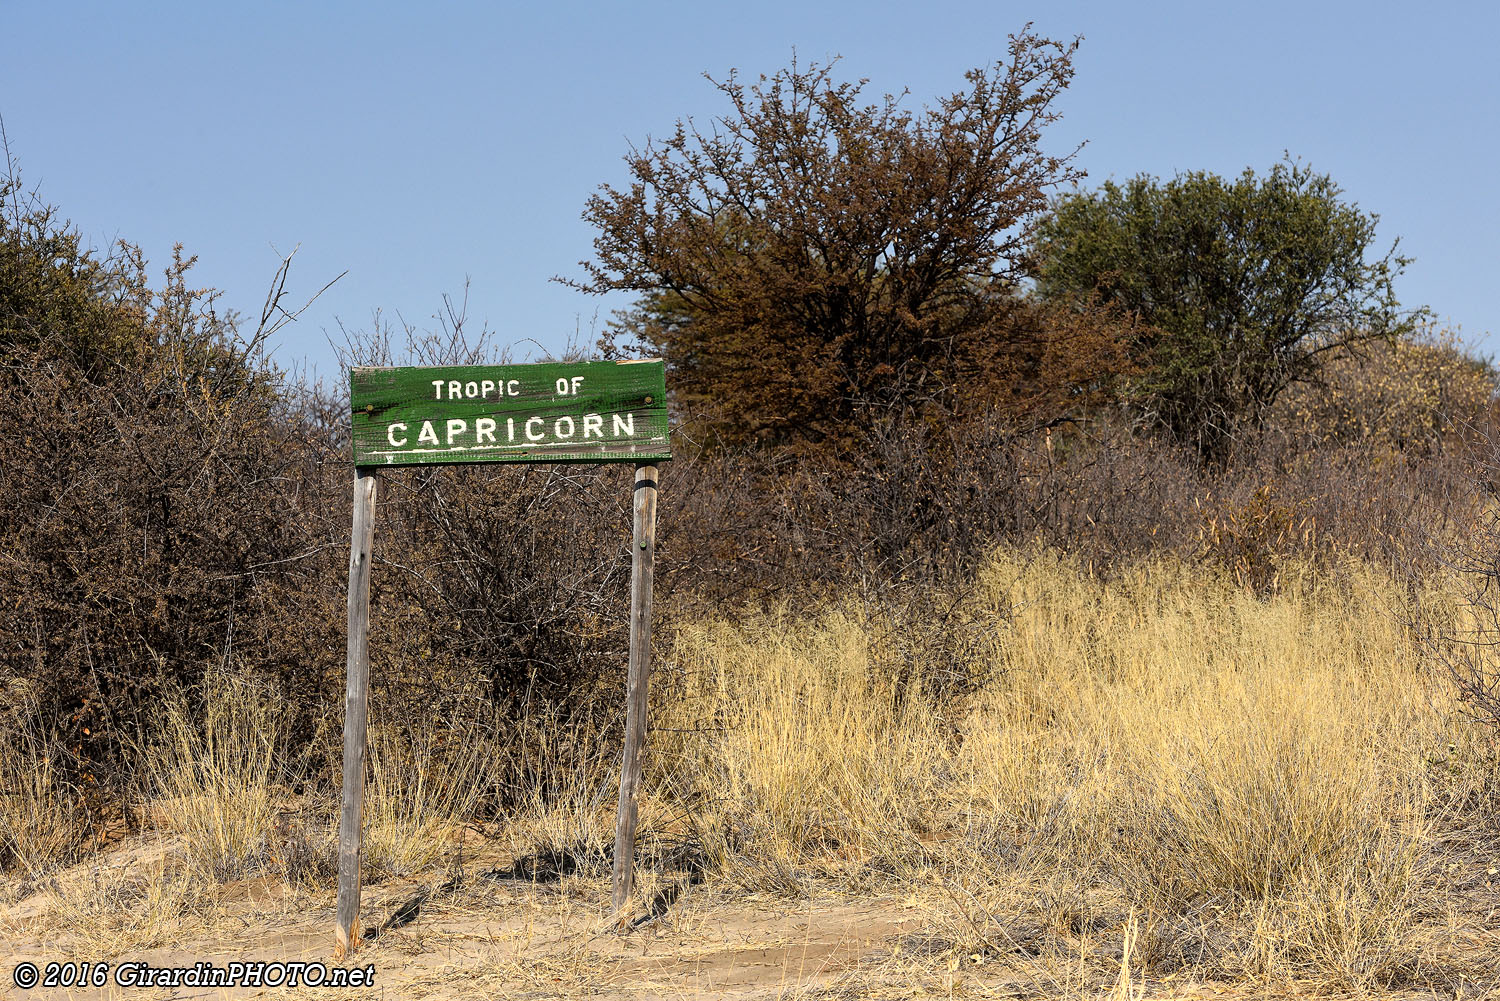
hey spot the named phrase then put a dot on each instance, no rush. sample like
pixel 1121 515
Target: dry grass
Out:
pixel 41 825
pixel 107 909
pixel 1251 774
pixel 426 780
pixel 796 754
pixel 216 780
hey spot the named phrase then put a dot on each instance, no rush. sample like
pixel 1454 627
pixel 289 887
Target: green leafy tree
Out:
pixel 1242 287
pixel 812 256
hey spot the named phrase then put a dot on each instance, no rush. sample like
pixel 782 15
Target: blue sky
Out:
pixel 417 146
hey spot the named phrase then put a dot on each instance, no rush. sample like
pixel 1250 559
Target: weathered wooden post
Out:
pixel 642 551
pixel 356 707
pixel 549 412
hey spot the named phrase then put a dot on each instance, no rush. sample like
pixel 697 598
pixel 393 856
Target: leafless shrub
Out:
pixel 155 523
pixel 1464 637
pixel 163 510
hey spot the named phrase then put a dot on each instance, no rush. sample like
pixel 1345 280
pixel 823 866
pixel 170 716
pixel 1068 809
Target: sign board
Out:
pixel 596 411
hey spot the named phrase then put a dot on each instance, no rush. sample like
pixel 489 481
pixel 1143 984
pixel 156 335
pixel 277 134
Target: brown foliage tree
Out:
pixel 811 256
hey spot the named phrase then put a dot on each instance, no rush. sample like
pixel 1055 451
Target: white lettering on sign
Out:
pixel 484 389
pixel 457 433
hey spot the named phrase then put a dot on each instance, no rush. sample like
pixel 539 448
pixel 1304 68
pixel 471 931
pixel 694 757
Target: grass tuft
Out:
pixel 215 778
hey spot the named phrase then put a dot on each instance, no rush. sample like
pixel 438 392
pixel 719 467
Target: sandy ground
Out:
pixel 484 936
pixel 515 940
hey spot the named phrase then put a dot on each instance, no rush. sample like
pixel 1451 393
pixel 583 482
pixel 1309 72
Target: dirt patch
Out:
pixel 485 933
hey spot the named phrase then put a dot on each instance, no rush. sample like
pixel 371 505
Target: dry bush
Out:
pixel 158 522
pixel 1414 393
pixel 1386 507
pixel 166 509
pixel 1462 626
pixel 508 582
pixel 1252 539
pixel 918 503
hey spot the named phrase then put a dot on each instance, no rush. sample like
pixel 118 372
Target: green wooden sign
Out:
pixel 597 411
pixel 552 412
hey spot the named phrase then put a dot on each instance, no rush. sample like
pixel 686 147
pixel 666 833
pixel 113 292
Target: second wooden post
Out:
pixel 356 707
pixel 643 549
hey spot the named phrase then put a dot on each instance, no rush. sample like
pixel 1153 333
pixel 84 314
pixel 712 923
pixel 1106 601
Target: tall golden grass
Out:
pixel 1250 773
pixel 426 780
pixel 215 779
